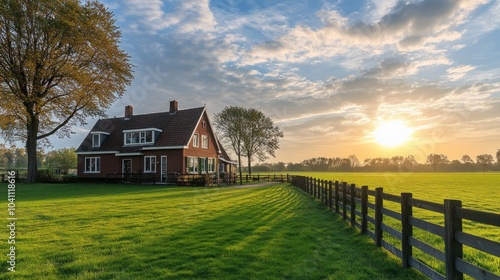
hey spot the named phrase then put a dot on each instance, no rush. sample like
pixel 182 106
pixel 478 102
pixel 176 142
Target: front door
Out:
pixel 163 168
pixel 126 168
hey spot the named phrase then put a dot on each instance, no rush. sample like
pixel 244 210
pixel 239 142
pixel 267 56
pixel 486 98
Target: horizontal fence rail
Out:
pixel 362 207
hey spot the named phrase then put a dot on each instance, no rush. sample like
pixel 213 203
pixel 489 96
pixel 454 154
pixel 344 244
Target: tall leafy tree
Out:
pixel 354 161
pixel 230 124
pixel 437 160
pixel 467 160
pixel 260 136
pixel 63 159
pixel 59 63
pixel 249 132
pixel 484 160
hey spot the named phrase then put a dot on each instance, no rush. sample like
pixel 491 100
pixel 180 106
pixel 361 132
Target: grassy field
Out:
pixel 154 232
pixel 479 191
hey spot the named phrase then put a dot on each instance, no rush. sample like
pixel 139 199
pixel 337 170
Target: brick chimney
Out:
pixel 129 111
pixel 174 106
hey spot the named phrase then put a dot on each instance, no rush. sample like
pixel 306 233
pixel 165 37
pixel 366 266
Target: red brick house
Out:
pixel 161 144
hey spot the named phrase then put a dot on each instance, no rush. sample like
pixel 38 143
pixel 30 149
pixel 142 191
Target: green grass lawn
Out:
pixel 154 232
pixel 478 191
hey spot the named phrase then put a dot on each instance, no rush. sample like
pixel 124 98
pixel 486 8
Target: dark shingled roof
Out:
pixel 176 130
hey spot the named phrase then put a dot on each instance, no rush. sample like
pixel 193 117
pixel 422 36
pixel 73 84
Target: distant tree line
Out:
pixel 16 158
pixel 434 162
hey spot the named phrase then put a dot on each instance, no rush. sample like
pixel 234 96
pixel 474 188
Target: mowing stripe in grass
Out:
pixel 189 233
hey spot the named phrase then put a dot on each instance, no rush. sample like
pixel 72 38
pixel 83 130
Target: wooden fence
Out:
pixel 354 202
pixel 263 178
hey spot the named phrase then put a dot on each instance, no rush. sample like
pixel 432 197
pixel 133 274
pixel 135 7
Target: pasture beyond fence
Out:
pixel 356 204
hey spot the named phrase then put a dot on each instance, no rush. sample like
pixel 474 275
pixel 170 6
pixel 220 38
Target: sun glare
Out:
pixel 392 133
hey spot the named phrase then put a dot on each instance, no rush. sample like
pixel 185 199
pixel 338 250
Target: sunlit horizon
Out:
pixel 392 133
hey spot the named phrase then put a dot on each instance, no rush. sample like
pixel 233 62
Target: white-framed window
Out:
pixel 96 140
pixel 203 165
pixel 211 165
pixel 196 140
pixel 143 137
pixel 203 124
pixel 146 136
pixel 150 164
pixel 191 165
pixel 204 141
pixel 92 164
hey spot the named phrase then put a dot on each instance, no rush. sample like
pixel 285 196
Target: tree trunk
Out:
pixel 239 167
pixel 31 146
pixel 250 166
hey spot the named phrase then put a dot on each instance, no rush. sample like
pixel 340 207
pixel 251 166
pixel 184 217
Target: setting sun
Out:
pixel 392 133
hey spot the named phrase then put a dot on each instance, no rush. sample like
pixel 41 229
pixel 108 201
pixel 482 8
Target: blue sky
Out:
pixel 327 72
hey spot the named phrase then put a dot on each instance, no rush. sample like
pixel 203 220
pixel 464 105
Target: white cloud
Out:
pixel 458 72
pixel 406 26
pixel 458 47
pixel 151 17
pixel 323 71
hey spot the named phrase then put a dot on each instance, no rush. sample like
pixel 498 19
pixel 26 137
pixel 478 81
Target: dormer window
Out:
pixel 140 136
pixel 97 138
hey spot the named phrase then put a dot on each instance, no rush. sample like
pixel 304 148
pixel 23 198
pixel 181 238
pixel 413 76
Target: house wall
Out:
pixel 212 144
pixel 112 164
pixel 211 152
pixel 109 164
pixel 176 159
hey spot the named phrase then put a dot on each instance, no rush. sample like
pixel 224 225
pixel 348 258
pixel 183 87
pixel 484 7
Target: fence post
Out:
pixel 344 200
pixel 406 229
pixel 317 188
pixel 379 203
pixel 314 188
pixel 311 189
pixel 337 196
pixel 453 249
pixel 324 191
pixel 330 189
pixel 364 209
pixel 325 186
pixel 316 183
pixel 321 191
pixel 353 205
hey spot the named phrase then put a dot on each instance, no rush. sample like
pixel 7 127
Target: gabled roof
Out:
pixel 176 130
